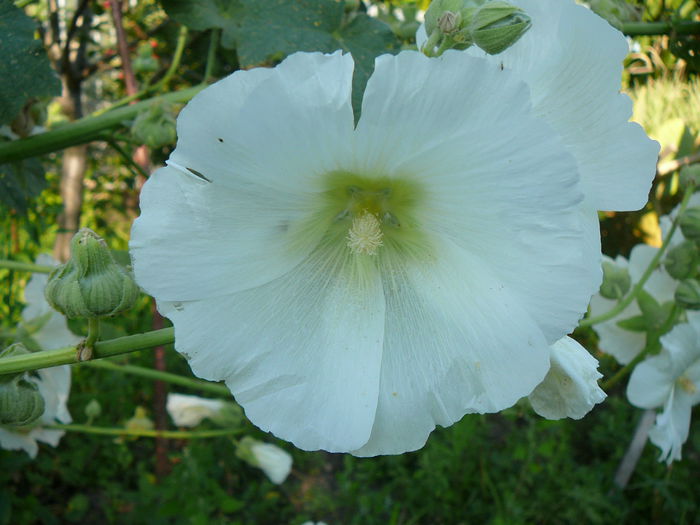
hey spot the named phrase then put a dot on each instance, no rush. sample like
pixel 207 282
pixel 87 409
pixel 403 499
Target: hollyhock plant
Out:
pixel 355 285
pixel 670 380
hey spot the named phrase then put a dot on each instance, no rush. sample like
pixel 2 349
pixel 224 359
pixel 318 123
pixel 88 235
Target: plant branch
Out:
pixel 211 54
pixel 70 355
pixel 84 130
pixel 669 166
pixel 25 267
pixel 625 302
pixel 659 28
pixel 175 379
pixel 168 434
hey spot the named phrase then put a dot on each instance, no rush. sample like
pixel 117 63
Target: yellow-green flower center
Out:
pixel 687 385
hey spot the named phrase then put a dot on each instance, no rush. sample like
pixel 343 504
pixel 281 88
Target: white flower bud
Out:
pixel 272 460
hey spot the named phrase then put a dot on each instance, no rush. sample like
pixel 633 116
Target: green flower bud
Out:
pixel 681 260
pixel 91 284
pixel 145 62
pixel 690 174
pixel 155 127
pixel 615 11
pixel 690 224
pixel 498 25
pixel 616 281
pixel 449 22
pixel 688 294
pixel 436 11
pixel 20 400
pixel 139 421
pixel 93 409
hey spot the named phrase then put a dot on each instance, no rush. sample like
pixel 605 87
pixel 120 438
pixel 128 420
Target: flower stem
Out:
pixel 68 355
pixel 24 267
pixel 211 54
pixel 168 434
pixel 84 130
pixel 660 28
pixel 625 302
pixel 187 382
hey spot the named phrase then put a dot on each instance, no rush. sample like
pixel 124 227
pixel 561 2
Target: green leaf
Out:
pixel 634 324
pixel 24 69
pixel 20 182
pixel 265 31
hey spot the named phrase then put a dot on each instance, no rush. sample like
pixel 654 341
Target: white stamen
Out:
pixel 365 234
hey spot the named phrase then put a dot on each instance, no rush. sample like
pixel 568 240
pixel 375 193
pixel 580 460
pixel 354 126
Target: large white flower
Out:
pixel 356 286
pixel 621 343
pixel 570 388
pixel 54 387
pixel 670 380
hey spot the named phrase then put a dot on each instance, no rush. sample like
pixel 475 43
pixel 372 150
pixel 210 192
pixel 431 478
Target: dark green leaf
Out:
pixel 20 182
pixel 24 68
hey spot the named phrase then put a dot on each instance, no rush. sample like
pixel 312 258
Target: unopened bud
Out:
pixel 690 224
pixel 616 281
pixel 91 284
pixel 21 402
pixel 448 22
pixel 437 10
pixel 681 260
pixel 688 294
pixel 272 460
pixel 139 421
pixel 93 409
pixel 498 25
pixel 155 127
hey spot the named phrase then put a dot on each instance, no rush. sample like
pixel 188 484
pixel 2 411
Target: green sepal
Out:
pixel 637 323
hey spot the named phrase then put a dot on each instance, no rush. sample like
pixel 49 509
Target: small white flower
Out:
pixel 54 386
pixel 272 460
pixel 570 388
pixel 619 342
pixel 357 285
pixel 670 380
pixel 189 411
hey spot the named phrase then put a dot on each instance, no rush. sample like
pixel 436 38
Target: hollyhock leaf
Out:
pixel 24 70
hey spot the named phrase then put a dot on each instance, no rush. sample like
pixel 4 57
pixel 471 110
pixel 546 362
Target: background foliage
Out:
pixel 508 468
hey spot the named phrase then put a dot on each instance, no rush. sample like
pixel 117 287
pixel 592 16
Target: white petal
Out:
pixel 456 341
pixel 196 239
pixel 301 354
pixel 672 427
pixel 651 382
pixel 189 411
pixel 18 441
pixel 572 61
pixel 54 386
pixel 570 388
pixel 623 345
pixel 498 181
pixel 278 127
pixel 273 461
pixel 660 285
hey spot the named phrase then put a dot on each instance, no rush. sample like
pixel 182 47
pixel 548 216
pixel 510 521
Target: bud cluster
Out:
pixel 682 260
pixel 457 24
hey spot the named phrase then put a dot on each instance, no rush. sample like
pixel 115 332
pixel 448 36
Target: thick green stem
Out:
pixel 659 28
pixel 175 379
pixel 25 267
pixel 69 355
pixel 625 302
pixel 84 130
pixel 168 434
pixel 211 54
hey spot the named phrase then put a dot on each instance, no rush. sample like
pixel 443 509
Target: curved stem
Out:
pixel 211 54
pixel 167 434
pixel 660 28
pixel 68 355
pixel 25 267
pixel 187 382
pixel 625 302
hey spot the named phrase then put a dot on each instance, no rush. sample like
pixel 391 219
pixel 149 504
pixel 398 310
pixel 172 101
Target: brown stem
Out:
pixel 129 78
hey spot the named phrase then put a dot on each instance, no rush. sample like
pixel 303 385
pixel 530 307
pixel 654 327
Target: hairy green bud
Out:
pixel 498 25
pixel 681 260
pixel 155 127
pixel 690 224
pixel 21 402
pixel 616 281
pixel 91 284
pixel 688 294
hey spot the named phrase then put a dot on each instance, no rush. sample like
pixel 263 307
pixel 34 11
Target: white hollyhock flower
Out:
pixel 619 342
pixel 570 388
pixel 189 411
pixel 46 326
pixel 356 286
pixel 670 380
pixel 54 387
